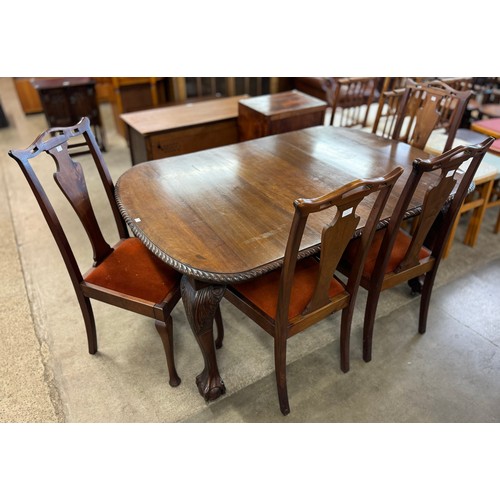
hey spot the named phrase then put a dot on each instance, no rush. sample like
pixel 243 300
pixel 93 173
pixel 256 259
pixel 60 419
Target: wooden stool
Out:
pixel 477 203
pixel 494 201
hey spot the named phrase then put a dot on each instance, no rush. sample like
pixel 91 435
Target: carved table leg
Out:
pixel 201 301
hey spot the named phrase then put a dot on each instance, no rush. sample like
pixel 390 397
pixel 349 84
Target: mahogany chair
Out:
pixel 285 302
pixel 125 275
pixel 396 256
pixel 423 108
pixel 350 100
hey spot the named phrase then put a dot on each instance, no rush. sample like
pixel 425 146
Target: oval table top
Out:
pixel 223 215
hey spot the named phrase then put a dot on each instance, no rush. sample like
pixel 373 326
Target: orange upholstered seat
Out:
pixel 305 291
pixel 133 270
pixel 394 256
pixel 263 292
pixel 398 252
pixel 126 275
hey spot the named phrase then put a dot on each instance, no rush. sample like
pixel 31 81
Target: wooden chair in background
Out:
pixel 391 90
pixel 286 302
pixel 125 275
pixel 350 100
pixel 420 109
pixel 396 256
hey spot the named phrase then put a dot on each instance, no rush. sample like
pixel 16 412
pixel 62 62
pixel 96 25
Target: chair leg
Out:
pixel 165 330
pixel 496 230
pixel 88 318
pixel 369 322
pixel 280 368
pixel 345 338
pixel 425 300
pixel 220 329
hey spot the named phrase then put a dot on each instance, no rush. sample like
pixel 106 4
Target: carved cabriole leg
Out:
pixel 201 302
pixel 220 329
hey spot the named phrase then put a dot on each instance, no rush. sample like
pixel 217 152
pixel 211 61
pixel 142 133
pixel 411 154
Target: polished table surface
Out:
pixel 223 215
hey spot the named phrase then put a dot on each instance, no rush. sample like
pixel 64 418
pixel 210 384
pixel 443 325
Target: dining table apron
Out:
pixel 223 215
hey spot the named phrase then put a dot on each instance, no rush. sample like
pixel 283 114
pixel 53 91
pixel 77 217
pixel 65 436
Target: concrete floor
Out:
pixel 451 374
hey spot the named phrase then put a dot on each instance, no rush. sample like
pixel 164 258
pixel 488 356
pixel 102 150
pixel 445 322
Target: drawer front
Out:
pixel 297 122
pixel 191 139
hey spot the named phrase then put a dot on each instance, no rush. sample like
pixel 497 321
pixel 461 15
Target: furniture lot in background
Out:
pixel 3 118
pixel 350 100
pixel 173 130
pixel 278 113
pixel 422 108
pixel 66 100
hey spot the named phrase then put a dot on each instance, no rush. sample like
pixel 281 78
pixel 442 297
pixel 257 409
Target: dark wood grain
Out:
pixel 223 215
pixel 278 113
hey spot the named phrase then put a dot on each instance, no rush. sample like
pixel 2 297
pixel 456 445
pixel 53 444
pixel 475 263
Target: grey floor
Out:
pixel 451 374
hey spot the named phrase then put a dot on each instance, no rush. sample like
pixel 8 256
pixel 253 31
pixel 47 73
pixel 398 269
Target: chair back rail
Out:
pixel 125 275
pixel 70 178
pixel 424 107
pixel 397 256
pixel 334 239
pixel 350 100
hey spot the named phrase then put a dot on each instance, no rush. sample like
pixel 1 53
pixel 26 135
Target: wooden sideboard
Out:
pixel 184 128
pixel 277 113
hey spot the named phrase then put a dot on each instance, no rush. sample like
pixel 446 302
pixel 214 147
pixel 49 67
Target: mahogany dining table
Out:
pixel 223 215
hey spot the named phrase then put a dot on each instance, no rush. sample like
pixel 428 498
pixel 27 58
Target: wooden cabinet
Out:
pixel 30 99
pixel 28 95
pixel 66 100
pixel 277 113
pixel 136 94
pixel 185 128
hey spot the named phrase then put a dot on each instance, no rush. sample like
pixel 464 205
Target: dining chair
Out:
pixel 350 100
pixel 422 108
pixel 396 256
pixel 287 301
pixel 126 275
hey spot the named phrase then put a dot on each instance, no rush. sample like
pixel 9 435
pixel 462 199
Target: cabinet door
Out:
pixel 28 95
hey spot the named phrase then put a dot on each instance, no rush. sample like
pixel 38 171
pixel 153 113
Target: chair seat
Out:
pixel 488 127
pixel 133 270
pixel 263 292
pixel 398 252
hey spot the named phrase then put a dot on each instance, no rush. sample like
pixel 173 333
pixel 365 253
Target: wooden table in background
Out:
pixel 277 113
pixel 184 128
pixel 223 215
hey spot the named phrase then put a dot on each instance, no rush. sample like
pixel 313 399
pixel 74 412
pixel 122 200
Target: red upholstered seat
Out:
pixel 133 270
pixel 263 292
pixel 398 252
pixel 127 275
